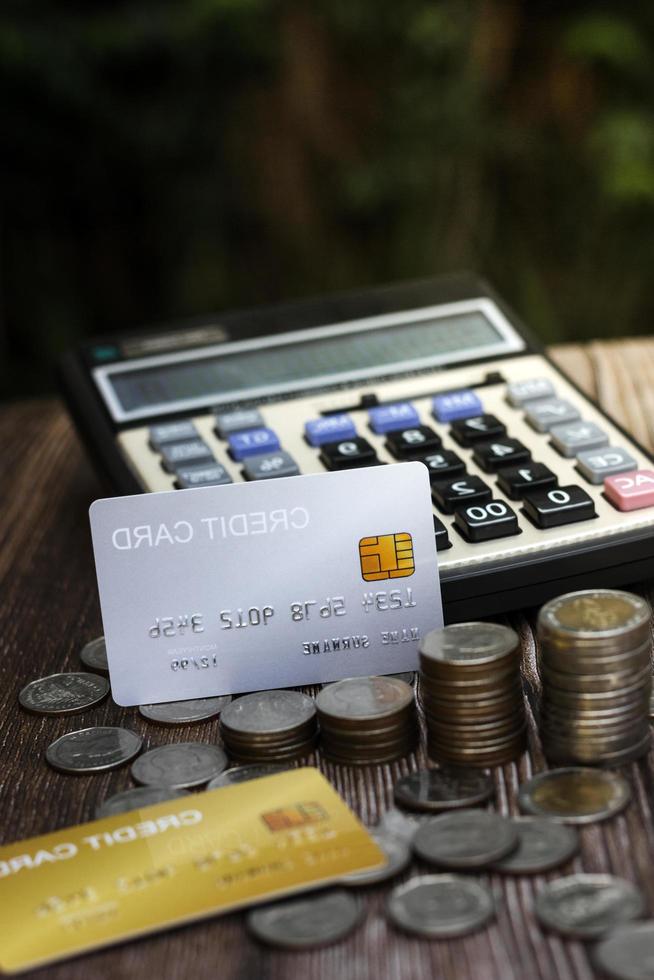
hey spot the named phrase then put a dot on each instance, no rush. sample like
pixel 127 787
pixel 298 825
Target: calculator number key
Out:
pixel 477 429
pixel 492 456
pixel 348 453
pixel 416 441
pixel 270 465
pixel 461 492
pixel 443 465
pixel 560 505
pixel 483 522
pixel 519 480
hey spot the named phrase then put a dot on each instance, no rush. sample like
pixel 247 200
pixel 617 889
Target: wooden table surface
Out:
pixel 50 609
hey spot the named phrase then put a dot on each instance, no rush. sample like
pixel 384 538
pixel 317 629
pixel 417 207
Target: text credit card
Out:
pixel 102 882
pixel 223 590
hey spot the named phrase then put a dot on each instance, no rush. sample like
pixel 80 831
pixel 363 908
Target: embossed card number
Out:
pixel 235 588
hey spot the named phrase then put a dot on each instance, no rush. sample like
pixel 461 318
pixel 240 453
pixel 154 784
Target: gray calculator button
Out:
pixel 171 432
pixel 596 464
pixel 543 415
pixel 573 437
pixel 202 476
pixel 529 390
pixel 245 418
pixel 178 453
pixel 270 465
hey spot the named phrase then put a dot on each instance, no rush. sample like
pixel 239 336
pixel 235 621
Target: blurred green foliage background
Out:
pixel 162 159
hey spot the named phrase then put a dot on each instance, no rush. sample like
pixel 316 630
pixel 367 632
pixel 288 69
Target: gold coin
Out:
pixel 575 795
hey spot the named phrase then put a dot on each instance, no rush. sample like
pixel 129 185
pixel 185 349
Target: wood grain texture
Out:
pixel 50 609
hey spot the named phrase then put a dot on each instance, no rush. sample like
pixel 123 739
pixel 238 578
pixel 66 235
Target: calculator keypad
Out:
pixel 214 475
pixel 228 422
pixel 529 390
pixel 329 428
pixel 167 432
pixel 574 437
pixel 176 454
pixel 390 418
pixel 443 542
pixel 443 465
pixel 409 443
pixel 454 405
pixel 519 480
pixel 350 452
pixel 270 465
pixel 597 464
pixel 631 491
pixel 460 492
pixel 543 415
pixel 559 505
pixel 477 429
pixel 493 456
pixel 252 442
pixel 484 522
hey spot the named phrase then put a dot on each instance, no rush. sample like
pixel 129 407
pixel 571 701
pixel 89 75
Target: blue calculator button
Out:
pixel 389 418
pixel 254 442
pixel 456 405
pixel 331 428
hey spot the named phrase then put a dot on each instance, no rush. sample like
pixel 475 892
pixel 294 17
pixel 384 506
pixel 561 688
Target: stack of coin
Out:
pixel 596 673
pixel 270 726
pixel 367 721
pixel 471 693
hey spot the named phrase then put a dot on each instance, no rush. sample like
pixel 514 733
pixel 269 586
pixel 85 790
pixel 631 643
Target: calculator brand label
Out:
pixel 172 863
pixel 250 586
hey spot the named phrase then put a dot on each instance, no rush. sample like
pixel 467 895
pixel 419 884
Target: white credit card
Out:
pixel 251 586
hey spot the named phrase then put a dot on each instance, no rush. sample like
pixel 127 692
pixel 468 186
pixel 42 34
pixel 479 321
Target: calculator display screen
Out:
pixel 303 359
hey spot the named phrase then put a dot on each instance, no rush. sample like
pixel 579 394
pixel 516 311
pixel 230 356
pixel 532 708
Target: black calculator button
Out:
pixel 177 454
pixel 442 538
pixel 443 465
pixel 460 492
pixel 559 505
pixel 411 442
pixel 270 465
pixel 348 453
pixel 483 522
pixel 519 480
pixel 479 428
pixel 493 456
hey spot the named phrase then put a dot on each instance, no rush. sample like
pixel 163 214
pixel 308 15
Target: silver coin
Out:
pixel 441 906
pixel 588 905
pixel 180 765
pixel 64 694
pixel 402 825
pixel 268 712
pixel 575 794
pixel 465 839
pixel 93 749
pixel 135 799
pixel 408 676
pixel 303 923
pixel 243 774
pixel 469 643
pixel 443 789
pixel 185 712
pixel 94 656
pixel 398 857
pixel 543 845
pixel 361 699
pixel 627 953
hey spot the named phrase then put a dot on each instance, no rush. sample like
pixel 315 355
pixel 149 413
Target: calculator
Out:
pixel 536 491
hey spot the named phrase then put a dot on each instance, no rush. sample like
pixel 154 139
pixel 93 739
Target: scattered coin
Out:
pixel 443 789
pixel 398 857
pixel 471 694
pixel 441 906
pixel 627 953
pixel 465 839
pixel 93 749
pixel 303 923
pixel 94 656
pixel 575 795
pixel 542 845
pixel 135 799
pixel 587 906
pixel 408 676
pixel 402 825
pixel 64 694
pixel 243 774
pixel 180 765
pixel 184 712
pixel 270 726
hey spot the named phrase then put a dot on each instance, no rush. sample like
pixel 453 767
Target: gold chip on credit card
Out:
pixel 172 863
pixel 386 556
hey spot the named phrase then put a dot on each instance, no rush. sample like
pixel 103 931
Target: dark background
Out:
pixel 162 159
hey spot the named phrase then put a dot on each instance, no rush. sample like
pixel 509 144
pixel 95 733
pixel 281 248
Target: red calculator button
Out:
pixel 631 491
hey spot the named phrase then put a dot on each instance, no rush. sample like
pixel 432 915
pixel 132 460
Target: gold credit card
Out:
pixel 127 875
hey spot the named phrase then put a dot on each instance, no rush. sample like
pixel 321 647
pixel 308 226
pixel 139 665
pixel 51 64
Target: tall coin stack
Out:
pixel 597 677
pixel 367 721
pixel 269 726
pixel 471 693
